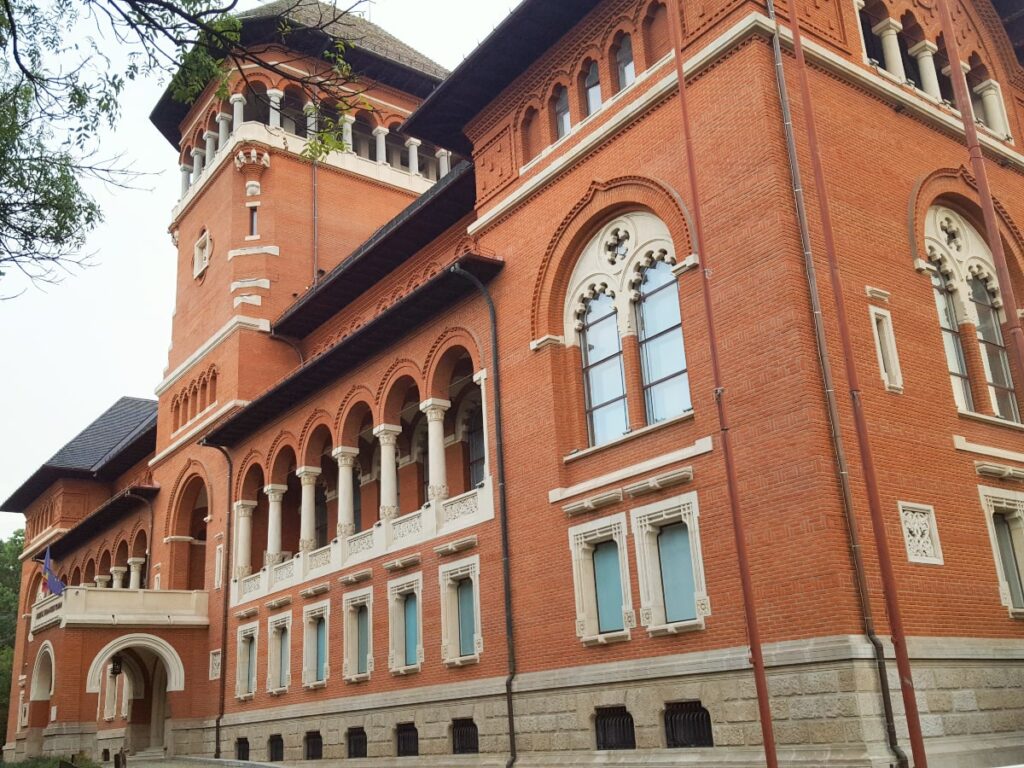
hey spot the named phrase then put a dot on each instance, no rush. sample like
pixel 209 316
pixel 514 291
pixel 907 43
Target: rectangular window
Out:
pixel 275 748
pixel 1004 513
pixel 242 749
pixel 279 652
pixel 687 724
pixel 465 737
pixel 1009 556
pixel 406 653
pixel 218 567
pixel 563 121
pixel 408 739
pixel 315 667
pixel 461 638
pixel 673 597
pixel 245 672
pixel 254 213
pixel 614 728
pixel 885 349
pixel 313 745
pixel 604 609
pixel 358 640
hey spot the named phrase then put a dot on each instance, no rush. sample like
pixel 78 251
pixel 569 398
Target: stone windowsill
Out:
pixel 463 661
pixel 606 638
pixel 675 628
pixel 245 696
pixel 314 684
pixel 277 691
pixel 362 677
pixel 627 437
pixel 990 419
pixel 409 670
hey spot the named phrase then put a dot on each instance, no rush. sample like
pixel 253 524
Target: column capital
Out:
pixel 987 85
pixel 343 450
pixel 435 408
pixel 380 130
pixel 925 46
pixel 118 569
pixel 237 98
pixel 346 457
pixel 210 135
pixel 136 562
pixel 387 433
pixel 196 152
pixel 277 93
pixel 948 70
pixel 885 25
pixel 185 168
pixel 441 153
pixel 222 117
pixel 244 508
pixel 309 474
pixel 275 492
pixel 102 581
pixel 413 142
pixel 346 118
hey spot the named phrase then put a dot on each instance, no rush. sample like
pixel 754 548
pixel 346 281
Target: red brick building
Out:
pixel 368 517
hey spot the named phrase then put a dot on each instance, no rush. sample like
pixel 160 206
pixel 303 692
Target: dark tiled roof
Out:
pixel 1011 13
pixel 121 436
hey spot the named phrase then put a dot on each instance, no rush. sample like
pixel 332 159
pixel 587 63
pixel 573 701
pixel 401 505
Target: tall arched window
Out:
pixel 592 88
pixel 662 354
pixel 625 68
pixel 952 343
pixel 602 371
pixel 560 108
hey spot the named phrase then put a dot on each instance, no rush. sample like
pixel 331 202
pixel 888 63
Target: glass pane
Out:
pixel 1011 568
pixel 668 399
pixel 601 340
pixel 283 651
pixel 604 381
pixel 250 652
pixel 593 99
pixel 412 630
pixel 954 353
pixel 997 365
pixel 677 585
pixel 1006 405
pixel 663 356
pixel 608 585
pixel 321 648
pixel 362 639
pixel 944 304
pixel 658 312
pixel 988 325
pixel 624 60
pixel 608 422
pixel 467 618
pixel 657 275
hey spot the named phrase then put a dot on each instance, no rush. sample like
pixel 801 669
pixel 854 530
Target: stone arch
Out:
pixel 32 594
pixel 163 649
pixel 89 572
pixel 121 553
pixel 602 202
pixel 657 29
pixel 394 389
pixel 184 477
pixel 104 563
pixel 251 476
pixel 353 414
pixel 445 354
pixel 316 431
pixel 44 673
pixel 283 452
pixel 76 577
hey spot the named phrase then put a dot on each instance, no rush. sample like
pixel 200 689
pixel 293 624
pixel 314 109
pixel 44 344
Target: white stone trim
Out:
pixel 961 443
pixel 1010 503
pixel 254 250
pixel 45 649
pixel 194 430
pixel 310 614
pixel 218 567
pixel 886 352
pixel 245 631
pixel 646 521
pixel 350 604
pixel 920 533
pixel 576 455
pixel 449 575
pixel 216 665
pixel 397 589
pixel 159 646
pixel 582 539
pixel 248 298
pixel 236 322
pixel 549 340
pixel 202 252
pixel 275 624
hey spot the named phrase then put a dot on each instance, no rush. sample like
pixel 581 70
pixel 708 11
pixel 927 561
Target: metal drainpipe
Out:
pixel 229 551
pixel 499 446
pixel 739 532
pixel 821 342
pixel 885 564
pixel 988 209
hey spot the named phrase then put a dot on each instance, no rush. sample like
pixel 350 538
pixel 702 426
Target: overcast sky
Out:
pixel 70 351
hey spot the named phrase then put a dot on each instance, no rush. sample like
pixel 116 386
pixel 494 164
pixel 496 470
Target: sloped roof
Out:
pixel 121 436
pixel 1011 13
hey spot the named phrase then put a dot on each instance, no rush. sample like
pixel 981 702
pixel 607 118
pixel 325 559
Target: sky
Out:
pixel 69 351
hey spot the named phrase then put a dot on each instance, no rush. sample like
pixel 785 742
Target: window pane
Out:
pixel 250 653
pixel 601 340
pixel 657 275
pixel 467 618
pixel 321 649
pixel 362 639
pixel 997 365
pixel 1008 556
pixel 677 585
pixel 283 651
pixel 669 399
pixel 1006 405
pixel 624 61
pixel 663 356
pixel 608 422
pixel 608 584
pixel 593 88
pixel 605 381
pixel 411 629
pixel 988 324
pixel 659 311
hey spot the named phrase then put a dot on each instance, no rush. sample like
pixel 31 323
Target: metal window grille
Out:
pixel 408 740
pixel 688 724
pixel 465 739
pixel 614 726
pixel 275 748
pixel 314 745
pixel 241 749
pixel 356 739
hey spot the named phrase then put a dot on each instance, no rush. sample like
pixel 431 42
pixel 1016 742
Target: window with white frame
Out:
pixel 952 343
pixel 660 334
pixel 560 105
pixel 358 631
pixel 405 609
pixel 218 567
pixel 279 630
pixel 245 675
pixel 885 349
pixel 604 605
pixel 993 350
pixel 673 594
pixel 201 254
pixel 920 533
pixel 1004 516
pixel 315 665
pixel 461 636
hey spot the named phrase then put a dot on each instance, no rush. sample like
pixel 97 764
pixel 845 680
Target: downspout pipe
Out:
pixel 732 486
pixel 222 692
pixel 988 208
pixel 821 343
pixel 885 563
pixel 499 450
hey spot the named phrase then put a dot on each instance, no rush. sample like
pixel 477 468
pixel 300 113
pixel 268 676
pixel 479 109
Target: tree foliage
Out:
pixel 10 585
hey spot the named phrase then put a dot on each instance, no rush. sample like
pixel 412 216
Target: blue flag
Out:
pixel 53 583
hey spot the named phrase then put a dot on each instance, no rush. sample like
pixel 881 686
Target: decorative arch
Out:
pixel 393 394
pixel 163 649
pixel 603 201
pixel 44 673
pixel 399 368
pixel 285 441
pixel 438 364
pixel 251 459
pixel 315 425
pixel 194 468
pixel 358 395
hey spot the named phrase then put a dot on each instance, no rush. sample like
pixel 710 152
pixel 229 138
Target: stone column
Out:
pixel 211 147
pixel 888 31
pixel 307 510
pixel 924 52
pixel 346 132
pixel 435 409
pixel 135 572
pixel 346 458
pixel 186 179
pixel 275 497
pixel 243 538
pixel 198 163
pixel 223 129
pixel 275 97
pixel 237 111
pixel 103 582
pixel 992 103
pixel 380 133
pixel 117 573
pixel 413 145
pixel 444 162
pixel 311 126
pixel 388 434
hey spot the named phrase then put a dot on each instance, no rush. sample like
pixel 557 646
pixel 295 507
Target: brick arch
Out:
pixel 438 367
pixel 317 420
pixel 284 440
pixel 602 201
pixel 399 368
pixel 139 534
pixel 346 432
pixel 194 468
pixel 251 458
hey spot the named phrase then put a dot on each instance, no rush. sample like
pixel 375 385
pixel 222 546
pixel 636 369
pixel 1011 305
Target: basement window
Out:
pixel 408 739
pixel 275 748
pixel 614 728
pixel 313 746
pixel 687 724
pixel 356 738
pixel 465 738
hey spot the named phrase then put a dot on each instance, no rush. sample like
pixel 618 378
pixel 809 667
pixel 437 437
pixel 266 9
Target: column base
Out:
pixel 437 492
pixel 242 571
pixel 307 545
pixel 273 558
pixel 388 512
pixel 345 530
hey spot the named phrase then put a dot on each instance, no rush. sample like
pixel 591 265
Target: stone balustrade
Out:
pixel 98 607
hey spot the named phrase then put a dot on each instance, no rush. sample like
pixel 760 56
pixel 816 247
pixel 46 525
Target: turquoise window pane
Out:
pixel 250 652
pixel 412 629
pixel 608 584
pixel 321 649
pixel 362 639
pixel 1011 568
pixel 283 651
pixel 467 618
pixel 677 585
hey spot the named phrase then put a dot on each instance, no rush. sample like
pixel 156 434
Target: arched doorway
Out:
pixel 189 539
pixel 40 691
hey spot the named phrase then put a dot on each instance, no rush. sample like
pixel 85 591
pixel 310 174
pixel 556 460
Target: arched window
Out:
pixel 872 44
pixel 560 109
pixel 602 370
pixel 592 88
pixel 625 68
pixel 662 353
pixel 952 343
pixel 657 32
